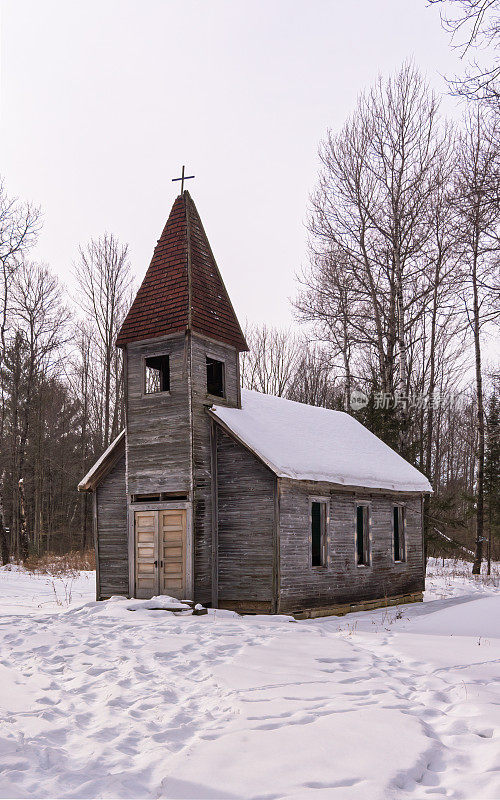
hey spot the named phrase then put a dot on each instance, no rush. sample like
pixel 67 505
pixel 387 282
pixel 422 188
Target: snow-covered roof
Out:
pixel 103 464
pixel 317 444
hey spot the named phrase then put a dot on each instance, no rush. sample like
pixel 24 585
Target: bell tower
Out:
pixel 181 342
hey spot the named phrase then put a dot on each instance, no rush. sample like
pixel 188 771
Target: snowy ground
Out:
pixel 100 701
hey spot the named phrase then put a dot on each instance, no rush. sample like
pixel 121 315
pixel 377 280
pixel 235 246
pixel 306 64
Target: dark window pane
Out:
pixel 316 531
pixel 359 534
pixel 157 376
pixel 215 377
pixel 402 541
pixel 362 534
pixel 399 533
pixel 397 549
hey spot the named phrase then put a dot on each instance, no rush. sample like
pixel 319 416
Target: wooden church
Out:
pixel 229 497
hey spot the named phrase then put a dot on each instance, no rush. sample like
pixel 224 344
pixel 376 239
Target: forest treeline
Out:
pixel 61 383
pixel 398 309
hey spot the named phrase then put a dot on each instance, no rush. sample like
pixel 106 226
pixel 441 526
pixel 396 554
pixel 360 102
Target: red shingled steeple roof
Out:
pixel 183 288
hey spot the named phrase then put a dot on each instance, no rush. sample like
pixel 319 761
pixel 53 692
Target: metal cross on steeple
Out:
pixel 183 178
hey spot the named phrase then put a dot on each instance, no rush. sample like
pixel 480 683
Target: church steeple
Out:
pixel 183 288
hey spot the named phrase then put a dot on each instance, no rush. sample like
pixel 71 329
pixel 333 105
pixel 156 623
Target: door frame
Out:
pixel 161 506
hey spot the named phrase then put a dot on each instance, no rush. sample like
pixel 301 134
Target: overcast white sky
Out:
pixel 102 101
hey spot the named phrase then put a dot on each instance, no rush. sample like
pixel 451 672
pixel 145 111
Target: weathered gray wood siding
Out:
pixel 201 347
pixel 168 434
pixel 158 441
pixel 112 533
pixel 341 580
pixel 245 526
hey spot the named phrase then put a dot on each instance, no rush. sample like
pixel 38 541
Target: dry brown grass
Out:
pixel 67 564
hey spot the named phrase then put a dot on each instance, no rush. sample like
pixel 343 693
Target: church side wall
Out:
pixel 158 441
pixel 341 580
pixel 246 523
pixel 201 347
pixel 112 551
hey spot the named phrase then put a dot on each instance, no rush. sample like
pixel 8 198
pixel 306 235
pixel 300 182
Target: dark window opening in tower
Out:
pixel 157 374
pixel 215 377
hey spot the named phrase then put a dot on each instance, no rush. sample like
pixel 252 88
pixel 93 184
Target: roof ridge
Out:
pixel 188 260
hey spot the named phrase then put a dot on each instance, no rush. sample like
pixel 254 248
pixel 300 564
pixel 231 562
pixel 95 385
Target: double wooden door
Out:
pixel 160 553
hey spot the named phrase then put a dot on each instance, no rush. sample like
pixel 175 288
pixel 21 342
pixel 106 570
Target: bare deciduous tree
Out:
pixel 328 300
pixel 315 381
pixel 40 319
pixel 479 229
pixel 474 25
pixel 270 364
pixel 103 274
pixel 372 228
pixel 19 228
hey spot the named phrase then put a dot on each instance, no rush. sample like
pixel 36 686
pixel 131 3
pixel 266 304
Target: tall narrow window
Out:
pixel 215 377
pixel 318 534
pixel 362 535
pixel 157 374
pixel 398 525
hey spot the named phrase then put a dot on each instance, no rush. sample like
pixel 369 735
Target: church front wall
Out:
pixel 341 580
pixel 111 522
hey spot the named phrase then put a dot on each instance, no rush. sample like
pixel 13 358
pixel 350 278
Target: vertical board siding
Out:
pixel 341 580
pixel 112 533
pixel 245 523
pixel 202 478
pixel 159 433
pixel 158 424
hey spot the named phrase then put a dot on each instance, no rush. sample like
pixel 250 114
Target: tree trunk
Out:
pixel 402 379
pixel 24 543
pixel 24 536
pixel 476 568
pixel 4 544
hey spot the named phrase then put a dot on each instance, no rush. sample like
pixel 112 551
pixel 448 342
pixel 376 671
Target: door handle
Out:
pixel 156 563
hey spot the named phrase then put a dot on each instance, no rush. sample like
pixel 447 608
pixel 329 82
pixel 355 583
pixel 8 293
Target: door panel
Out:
pixel 146 553
pixel 160 548
pixel 172 532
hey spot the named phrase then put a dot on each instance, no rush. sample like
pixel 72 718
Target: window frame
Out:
pixel 401 533
pixel 161 393
pixel 367 535
pixel 219 360
pixel 324 536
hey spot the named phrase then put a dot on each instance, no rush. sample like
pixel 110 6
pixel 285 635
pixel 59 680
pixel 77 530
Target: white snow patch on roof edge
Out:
pixel 310 443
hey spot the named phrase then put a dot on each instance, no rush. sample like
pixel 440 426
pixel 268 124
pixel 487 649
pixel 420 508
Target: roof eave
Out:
pixel 353 487
pixel 103 465
pixel 280 474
